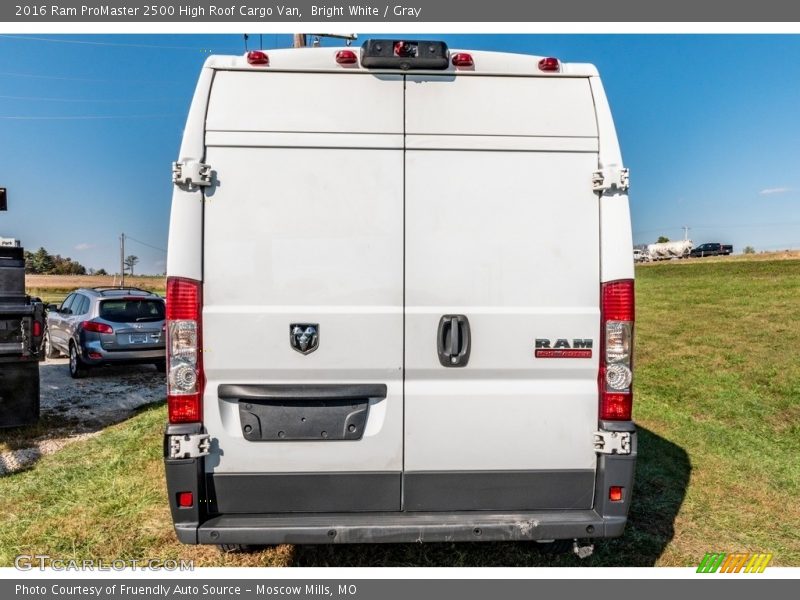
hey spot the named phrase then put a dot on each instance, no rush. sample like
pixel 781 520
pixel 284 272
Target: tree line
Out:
pixel 44 263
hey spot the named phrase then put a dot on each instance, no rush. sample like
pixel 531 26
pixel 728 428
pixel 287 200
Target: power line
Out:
pixel 90 80
pixel 97 43
pixel 89 100
pixel 133 239
pixel 718 226
pixel 87 117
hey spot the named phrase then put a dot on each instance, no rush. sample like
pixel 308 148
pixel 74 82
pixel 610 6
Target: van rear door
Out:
pixel 502 250
pixel 303 292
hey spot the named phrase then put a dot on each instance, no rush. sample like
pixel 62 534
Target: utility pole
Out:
pixel 686 229
pixel 122 259
pixel 299 40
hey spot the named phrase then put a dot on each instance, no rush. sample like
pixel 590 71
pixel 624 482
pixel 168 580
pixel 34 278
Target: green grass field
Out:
pixel 717 403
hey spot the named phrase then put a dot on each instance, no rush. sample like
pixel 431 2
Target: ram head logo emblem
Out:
pixel 304 337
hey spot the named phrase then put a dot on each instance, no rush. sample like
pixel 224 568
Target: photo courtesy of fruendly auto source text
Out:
pixel 399 300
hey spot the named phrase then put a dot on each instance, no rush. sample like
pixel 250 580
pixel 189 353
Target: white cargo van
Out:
pixel 400 301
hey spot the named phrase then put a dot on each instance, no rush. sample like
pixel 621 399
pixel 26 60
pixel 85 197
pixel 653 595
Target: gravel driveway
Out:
pixel 80 408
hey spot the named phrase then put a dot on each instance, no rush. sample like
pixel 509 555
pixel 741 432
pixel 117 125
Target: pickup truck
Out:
pixel 711 249
pixel 21 331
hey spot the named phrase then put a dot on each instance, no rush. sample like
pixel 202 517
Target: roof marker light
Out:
pixel 549 64
pixel 405 49
pixel 462 59
pixel 258 58
pixel 346 57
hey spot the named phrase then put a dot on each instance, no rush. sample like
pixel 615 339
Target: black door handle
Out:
pixel 453 341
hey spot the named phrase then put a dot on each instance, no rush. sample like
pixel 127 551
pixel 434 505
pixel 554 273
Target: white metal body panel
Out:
pixel 505 106
pixel 297 232
pixel 616 237
pixel 515 249
pixel 185 255
pixel 319 103
pixel 498 142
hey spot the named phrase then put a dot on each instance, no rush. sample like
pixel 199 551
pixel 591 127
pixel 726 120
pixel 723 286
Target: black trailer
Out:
pixel 22 323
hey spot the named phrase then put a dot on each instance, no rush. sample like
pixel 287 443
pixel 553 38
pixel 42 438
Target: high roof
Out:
pixel 324 59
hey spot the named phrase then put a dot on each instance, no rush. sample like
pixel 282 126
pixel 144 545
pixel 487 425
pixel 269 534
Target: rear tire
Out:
pixel 77 368
pixel 49 350
pixel 236 548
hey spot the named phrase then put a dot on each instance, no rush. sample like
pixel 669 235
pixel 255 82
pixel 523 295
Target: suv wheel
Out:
pixel 77 368
pixel 49 350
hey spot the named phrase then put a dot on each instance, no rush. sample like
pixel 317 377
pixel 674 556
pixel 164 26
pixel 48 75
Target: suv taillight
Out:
pixel 185 380
pixel 615 379
pixel 96 327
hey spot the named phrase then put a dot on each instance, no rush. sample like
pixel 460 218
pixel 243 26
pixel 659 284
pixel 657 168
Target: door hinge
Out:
pixel 192 173
pixel 610 179
pixel 189 445
pixel 612 442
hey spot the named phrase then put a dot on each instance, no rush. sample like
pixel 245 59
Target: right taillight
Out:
pixel 615 379
pixel 184 350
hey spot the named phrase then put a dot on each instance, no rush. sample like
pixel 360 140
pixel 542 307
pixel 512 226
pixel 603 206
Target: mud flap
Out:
pixel 19 393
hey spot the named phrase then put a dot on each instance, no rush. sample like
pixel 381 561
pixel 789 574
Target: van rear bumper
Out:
pixel 347 528
pixel 605 518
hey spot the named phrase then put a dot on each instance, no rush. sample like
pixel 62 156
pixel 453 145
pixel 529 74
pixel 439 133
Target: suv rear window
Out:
pixel 132 311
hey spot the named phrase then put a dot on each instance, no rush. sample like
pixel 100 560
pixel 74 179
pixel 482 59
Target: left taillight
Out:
pixel 96 327
pixel 185 379
pixel 615 377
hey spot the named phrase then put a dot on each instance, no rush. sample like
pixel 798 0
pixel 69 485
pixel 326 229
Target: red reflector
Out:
pixel 37 329
pixel 615 493
pixel 549 64
pixel 183 298
pixel 618 300
pixel 185 499
pixel 183 408
pixel 97 327
pixel 346 57
pixel 462 59
pixel 256 57
pixel 615 407
pixel 95 355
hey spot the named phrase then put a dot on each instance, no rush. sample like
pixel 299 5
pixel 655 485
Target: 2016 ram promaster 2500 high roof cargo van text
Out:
pixel 400 301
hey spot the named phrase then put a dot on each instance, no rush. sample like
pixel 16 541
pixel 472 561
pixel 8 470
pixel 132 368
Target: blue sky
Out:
pixel 709 126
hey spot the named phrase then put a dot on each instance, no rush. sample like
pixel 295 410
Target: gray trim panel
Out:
pixel 231 493
pixel 498 490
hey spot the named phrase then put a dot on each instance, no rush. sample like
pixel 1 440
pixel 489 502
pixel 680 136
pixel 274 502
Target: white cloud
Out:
pixel 83 246
pixel 775 190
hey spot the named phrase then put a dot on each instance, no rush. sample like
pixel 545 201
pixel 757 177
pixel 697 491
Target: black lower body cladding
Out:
pixel 270 508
